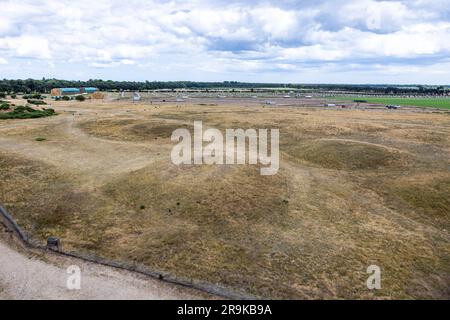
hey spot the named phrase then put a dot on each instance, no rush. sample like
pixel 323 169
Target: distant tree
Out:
pixel 44 85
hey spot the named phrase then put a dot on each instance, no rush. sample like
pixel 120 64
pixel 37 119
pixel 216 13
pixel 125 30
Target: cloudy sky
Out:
pixel 302 41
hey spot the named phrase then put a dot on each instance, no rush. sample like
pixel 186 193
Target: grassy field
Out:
pixel 443 103
pixel 355 188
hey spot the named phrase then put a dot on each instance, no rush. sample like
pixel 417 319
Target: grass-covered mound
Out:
pixel 5 105
pixel 346 155
pixel 126 129
pixel 25 112
pixel 422 196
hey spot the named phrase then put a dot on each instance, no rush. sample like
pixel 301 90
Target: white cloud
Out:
pixel 226 38
pixel 315 52
pixel 419 40
pixel 26 46
pixel 127 62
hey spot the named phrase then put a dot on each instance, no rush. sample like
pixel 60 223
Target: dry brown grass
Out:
pixel 355 188
pixel 343 154
pixel 131 129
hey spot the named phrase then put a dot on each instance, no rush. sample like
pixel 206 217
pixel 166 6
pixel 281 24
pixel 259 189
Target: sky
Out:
pixel 286 41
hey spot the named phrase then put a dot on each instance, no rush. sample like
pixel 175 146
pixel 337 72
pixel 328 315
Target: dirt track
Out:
pixel 80 152
pixel 31 276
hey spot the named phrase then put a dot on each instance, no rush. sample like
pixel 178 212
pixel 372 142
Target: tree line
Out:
pixel 45 86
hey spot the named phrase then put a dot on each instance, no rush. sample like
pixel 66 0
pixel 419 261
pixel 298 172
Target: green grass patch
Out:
pixel 5 105
pixel 33 96
pixel 36 102
pixel 25 112
pixel 443 103
pixel 39 139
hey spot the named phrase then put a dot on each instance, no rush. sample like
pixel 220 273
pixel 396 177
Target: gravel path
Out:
pixel 29 276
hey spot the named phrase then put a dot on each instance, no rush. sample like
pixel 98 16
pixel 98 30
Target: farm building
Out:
pixel 58 92
pixel 89 90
